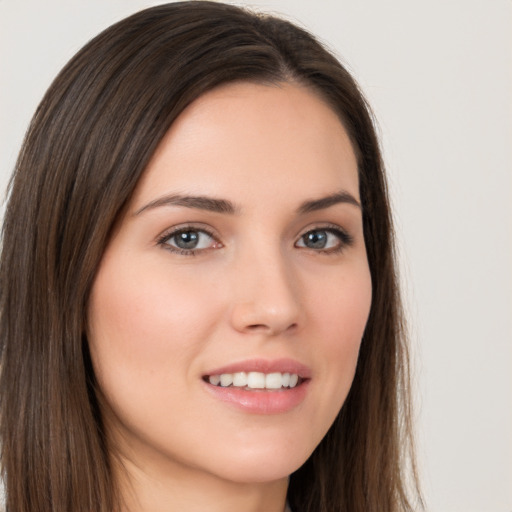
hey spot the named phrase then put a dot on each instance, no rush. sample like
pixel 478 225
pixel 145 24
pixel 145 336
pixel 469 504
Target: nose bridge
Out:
pixel 266 296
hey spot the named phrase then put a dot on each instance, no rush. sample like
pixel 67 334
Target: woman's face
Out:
pixel 241 256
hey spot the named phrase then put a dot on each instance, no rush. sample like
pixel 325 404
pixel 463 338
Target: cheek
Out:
pixel 141 322
pixel 145 334
pixel 342 306
pixel 340 323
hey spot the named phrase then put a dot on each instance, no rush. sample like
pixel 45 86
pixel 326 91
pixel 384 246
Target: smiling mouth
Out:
pixel 251 381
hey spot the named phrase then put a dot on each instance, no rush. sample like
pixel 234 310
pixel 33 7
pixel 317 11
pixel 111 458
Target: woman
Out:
pixel 199 301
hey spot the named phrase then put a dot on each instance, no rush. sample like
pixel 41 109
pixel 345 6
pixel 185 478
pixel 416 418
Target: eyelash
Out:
pixel 345 240
pixel 168 235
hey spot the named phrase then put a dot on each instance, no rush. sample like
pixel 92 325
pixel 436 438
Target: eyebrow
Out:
pixel 330 200
pixel 198 202
pixel 227 207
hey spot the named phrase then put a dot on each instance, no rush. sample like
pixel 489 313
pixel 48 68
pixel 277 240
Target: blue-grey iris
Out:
pixel 186 239
pixel 315 239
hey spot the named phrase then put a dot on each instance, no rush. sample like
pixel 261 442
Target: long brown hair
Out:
pixel 87 146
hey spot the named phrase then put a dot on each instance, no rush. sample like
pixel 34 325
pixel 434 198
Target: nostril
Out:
pixel 270 328
pixel 257 327
pixel 292 327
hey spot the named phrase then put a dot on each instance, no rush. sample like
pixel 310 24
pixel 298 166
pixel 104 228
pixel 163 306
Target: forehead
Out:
pixel 264 137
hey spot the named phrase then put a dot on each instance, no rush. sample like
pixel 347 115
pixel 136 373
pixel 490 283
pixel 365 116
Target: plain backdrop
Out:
pixel 439 76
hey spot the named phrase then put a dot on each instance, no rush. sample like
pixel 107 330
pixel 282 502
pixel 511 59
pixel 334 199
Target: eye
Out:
pixel 325 239
pixel 188 240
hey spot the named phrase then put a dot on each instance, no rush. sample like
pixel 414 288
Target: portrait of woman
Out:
pixel 199 304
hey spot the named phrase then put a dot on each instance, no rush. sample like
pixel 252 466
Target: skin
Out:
pixel 159 320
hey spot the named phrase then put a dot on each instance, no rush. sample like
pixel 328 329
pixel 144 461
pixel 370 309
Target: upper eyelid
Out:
pixel 327 226
pixel 167 233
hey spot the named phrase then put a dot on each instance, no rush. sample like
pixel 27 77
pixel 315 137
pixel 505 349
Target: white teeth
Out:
pixel 255 380
pixel 240 379
pixel 214 379
pixel 226 379
pixel 273 381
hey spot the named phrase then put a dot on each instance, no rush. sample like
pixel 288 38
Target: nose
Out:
pixel 266 296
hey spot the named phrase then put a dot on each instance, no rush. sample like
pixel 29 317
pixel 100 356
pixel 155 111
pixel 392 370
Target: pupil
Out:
pixel 316 239
pixel 187 239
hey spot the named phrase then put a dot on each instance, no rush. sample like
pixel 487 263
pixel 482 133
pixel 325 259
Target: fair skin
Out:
pixel 257 275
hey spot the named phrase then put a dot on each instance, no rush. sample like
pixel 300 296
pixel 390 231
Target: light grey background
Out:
pixel 439 75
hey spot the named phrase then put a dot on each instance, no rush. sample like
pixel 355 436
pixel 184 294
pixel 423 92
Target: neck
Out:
pixel 143 490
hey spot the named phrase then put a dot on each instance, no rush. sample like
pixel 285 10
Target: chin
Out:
pixel 264 468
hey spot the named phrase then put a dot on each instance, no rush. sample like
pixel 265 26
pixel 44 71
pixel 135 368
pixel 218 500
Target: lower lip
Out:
pixel 261 401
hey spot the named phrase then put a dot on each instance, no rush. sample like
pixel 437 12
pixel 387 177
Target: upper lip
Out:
pixel 284 365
